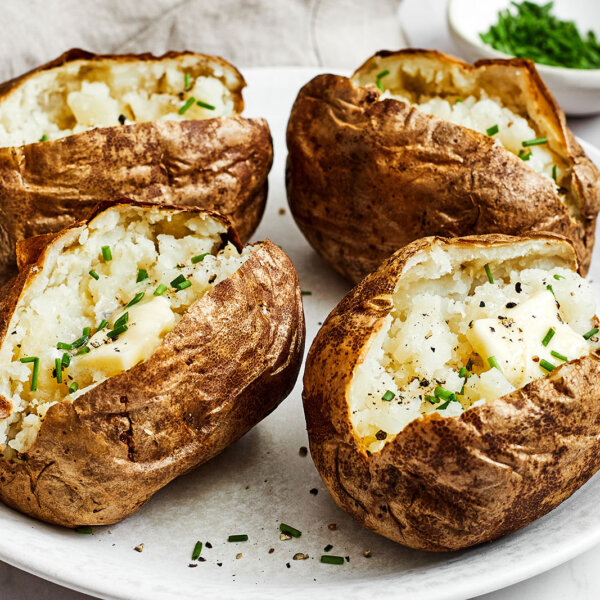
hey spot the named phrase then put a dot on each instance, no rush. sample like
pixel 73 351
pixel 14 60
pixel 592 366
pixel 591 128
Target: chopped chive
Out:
pixel 136 299
pixel 554 172
pixel 87 331
pixel 379 77
pixel 548 337
pixel 66 360
pixel 198 547
pixel 106 253
pixel 58 369
pixel 94 275
pixel 186 81
pixel 559 356
pixel 550 289
pixel 187 104
pixel 83 350
pixel 86 529
pixel 116 332
pixel 431 399
pixel 494 363
pixel 332 560
pixel 121 320
pixel 160 290
pixel 547 365
pixel 238 538
pixel 73 387
pixel 205 105
pixel 488 272
pixel 44 138
pixel 458 100
pixel 182 286
pixel 445 394
pixel 289 529
pixel 141 275
pixel 558 277
pixel 64 346
pixel 36 368
pixel 82 340
pixel 102 325
pixel 199 257
pixel 305 293
pixel 328 548
pixel 179 279
pixel 493 130
pixel 444 406
pixel 388 396
pixel 535 142
pixel 590 333
pixel 462 372
pixel 524 155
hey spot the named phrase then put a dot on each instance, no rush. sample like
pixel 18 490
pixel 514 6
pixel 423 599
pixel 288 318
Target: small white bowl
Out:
pixel 577 90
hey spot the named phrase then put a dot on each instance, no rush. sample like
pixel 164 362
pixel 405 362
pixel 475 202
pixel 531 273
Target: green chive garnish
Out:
pixel 524 155
pixel 198 546
pixel 94 275
pixel 106 253
pixel 559 356
pixel 84 350
pixel 464 373
pixel 136 299
pixel 36 368
pixel 493 130
pixel 388 396
pixel 66 360
pixel 548 337
pixel 73 388
pixel 205 105
pixel 494 363
pixel 488 272
pixel 187 104
pixel 44 138
pixel 290 530
pixel 178 280
pixel 142 274
pixel 58 369
pixel 332 560
pixel 590 333
pixel 121 320
pixel 238 538
pixel 305 293
pixel 186 81
pixel 554 172
pixel 546 365
pixel 431 399
pixel 102 325
pixel 160 290
pixel 116 332
pixel 535 142
pixel 182 286
pixel 444 406
pixel 199 257
pixel 64 346
pixel 379 77
pixel 549 288
pixel 86 529
pixel 83 339
pixel 328 548
pixel 444 394
pixel 458 100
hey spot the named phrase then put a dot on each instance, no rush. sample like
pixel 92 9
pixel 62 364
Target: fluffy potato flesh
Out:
pixel 83 94
pixel 105 297
pixel 460 335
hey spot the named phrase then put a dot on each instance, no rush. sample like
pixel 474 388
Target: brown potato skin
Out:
pixel 217 164
pixel 366 177
pixel 448 483
pixel 227 364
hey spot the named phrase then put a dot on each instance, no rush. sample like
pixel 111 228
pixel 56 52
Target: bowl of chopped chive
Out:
pixel 562 37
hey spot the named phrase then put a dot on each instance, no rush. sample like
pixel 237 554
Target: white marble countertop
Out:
pixel 424 25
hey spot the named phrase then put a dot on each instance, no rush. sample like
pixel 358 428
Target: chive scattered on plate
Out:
pixel 332 560
pixel 84 529
pixel 290 530
pixel 305 293
pixel 197 551
pixel 238 538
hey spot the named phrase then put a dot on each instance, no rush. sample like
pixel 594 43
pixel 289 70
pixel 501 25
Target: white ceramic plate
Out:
pixel 262 480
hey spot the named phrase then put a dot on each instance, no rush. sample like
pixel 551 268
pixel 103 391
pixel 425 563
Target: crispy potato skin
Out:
pixel 366 177
pixel 217 164
pixel 448 483
pixel 227 364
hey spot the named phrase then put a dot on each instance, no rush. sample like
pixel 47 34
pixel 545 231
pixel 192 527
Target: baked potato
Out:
pixel 452 397
pixel 85 128
pixel 136 345
pixel 419 143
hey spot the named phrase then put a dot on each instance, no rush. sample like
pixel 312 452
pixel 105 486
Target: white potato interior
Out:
pixel 447 313
pixel 81 95
pixel 64 298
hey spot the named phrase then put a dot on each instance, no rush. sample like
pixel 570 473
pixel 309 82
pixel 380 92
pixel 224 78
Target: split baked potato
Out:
pixel 419 143
pixel 134 346
pixel 85 128
pixel 453 396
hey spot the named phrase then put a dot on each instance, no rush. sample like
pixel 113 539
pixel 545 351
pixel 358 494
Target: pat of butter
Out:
pixel 147 323
pixel 517 340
